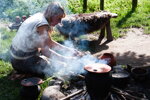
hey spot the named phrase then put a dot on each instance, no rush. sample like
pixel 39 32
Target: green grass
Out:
pixel 6 39
pixel 9 89
pixel 127 18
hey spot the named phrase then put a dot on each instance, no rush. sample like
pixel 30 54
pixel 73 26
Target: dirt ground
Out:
pixel 132 49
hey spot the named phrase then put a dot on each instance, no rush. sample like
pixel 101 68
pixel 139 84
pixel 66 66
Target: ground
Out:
pixel 132 49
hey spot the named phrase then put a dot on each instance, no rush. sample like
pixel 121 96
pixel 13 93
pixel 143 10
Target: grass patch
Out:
pixel 56 36
pixel 5 39
pixel 9 89
pixel 127 17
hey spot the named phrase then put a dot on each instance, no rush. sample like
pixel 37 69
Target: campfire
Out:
pixel 98 86
pixel 99 82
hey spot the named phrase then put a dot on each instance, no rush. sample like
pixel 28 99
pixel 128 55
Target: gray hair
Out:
pixel 54 9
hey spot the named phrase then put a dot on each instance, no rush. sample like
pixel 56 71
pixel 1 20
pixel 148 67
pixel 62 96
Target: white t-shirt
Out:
pixel 27 37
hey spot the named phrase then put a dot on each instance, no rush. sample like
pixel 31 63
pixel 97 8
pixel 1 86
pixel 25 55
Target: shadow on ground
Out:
pixel 9 89
pixel 131 58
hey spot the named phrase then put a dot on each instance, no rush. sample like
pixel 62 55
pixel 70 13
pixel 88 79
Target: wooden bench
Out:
pixel 79 24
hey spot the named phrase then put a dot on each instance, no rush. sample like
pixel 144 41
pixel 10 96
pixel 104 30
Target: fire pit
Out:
pixel 98 81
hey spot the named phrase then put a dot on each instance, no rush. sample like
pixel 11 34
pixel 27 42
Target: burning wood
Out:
pixel 73 94
pixel 80 24
pixel 126 94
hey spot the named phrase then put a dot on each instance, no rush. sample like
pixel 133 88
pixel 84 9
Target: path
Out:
pixel 133 49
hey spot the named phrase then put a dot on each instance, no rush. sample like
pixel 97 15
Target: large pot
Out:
pixel 139 74
pixel 120 79
pixel 98 81
pixel 30 88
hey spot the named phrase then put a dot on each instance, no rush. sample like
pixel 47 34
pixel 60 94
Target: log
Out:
pixel 126 94
pixel 73 94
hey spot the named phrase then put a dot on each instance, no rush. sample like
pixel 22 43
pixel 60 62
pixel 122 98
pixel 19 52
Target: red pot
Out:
pixel 111 61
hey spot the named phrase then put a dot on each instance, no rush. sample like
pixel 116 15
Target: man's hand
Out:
pixel 78 53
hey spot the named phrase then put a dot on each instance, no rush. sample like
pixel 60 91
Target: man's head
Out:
pixel 54 13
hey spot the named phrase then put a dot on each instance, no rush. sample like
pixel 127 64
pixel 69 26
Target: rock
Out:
pixel 52 93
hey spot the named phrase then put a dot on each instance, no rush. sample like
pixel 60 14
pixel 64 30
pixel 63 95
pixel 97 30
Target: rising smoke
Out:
pixel 71 67
pixel 62 68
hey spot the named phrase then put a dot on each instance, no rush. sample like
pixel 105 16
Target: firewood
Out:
pixel 73 94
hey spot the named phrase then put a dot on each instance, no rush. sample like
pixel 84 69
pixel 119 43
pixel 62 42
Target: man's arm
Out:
pixel 56 46
pixel 46 43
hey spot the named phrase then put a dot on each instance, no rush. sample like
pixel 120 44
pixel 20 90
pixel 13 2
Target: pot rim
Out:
pixel 97 68
pixel 145 71
pixel 32 81
pixel 125 72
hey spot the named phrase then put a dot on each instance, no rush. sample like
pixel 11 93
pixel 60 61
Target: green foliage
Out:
pixel 9 89
pixel 76 6
pixel 12 8
pixel 57 37
pixel 5 68
pixel 5 4
pixel 5 39
pixel 18 9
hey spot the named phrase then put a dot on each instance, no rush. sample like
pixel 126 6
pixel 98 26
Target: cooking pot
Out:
pixel 30 88
pixel 120 78
pixel 111 61
pixel 139 74
pixel 98 81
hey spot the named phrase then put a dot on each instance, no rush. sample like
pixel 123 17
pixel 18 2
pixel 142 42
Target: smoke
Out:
pixel 0 40
pixel 72 26
pixel 41 5
pixel 62 68
pixel 73 66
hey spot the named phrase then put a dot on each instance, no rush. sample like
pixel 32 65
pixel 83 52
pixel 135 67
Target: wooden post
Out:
pixel 109 32
pixel 101 4
pixel 84 5
pixel 134 4
pixel 102 33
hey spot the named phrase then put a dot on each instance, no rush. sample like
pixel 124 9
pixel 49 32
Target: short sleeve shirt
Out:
pixel 27 37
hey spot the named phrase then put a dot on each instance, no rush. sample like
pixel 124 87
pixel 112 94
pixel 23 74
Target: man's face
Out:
pixel 55 20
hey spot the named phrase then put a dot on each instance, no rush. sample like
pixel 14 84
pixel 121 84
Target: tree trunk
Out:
pixel 84 5
pixel 134 4
pixel 101 4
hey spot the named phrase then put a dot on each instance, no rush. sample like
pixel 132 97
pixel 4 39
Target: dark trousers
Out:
pixel 34 65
